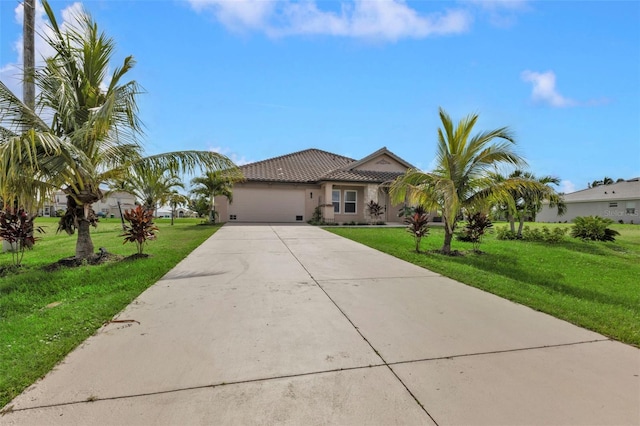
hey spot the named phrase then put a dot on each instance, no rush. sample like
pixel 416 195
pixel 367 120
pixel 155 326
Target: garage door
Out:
pixel 267 205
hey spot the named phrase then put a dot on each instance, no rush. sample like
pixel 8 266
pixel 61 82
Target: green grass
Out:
pixel 35 337
pixel 591 284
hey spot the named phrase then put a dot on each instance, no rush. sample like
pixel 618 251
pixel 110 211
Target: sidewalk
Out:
pixel 276 324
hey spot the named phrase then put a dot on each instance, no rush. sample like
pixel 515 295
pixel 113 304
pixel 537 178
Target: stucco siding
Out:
pixel 615 210
pixel 382 163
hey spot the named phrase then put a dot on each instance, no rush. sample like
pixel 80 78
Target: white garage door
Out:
pixel 267 205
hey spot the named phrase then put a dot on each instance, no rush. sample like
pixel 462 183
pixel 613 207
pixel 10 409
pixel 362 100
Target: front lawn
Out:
pixel 591 284
pixel 45 314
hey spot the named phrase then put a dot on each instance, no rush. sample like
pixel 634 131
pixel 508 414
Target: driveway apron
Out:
pixel 282 324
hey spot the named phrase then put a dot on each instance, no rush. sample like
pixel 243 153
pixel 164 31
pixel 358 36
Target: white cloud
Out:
pixel 237 14
pixel 544 89
pixel 381 19
pixel 238 160
pixel 566 186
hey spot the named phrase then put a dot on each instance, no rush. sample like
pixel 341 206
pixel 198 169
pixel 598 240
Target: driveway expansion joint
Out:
pixel 415 398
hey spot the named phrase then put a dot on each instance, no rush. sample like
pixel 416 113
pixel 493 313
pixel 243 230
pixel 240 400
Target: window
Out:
pixel 299 218
pixel 335 200
pixel 350 198
pixel 232 217
pixel 613 204
pixel 631 207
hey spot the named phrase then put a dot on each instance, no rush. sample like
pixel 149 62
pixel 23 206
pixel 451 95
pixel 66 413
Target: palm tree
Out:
pixel 92 131
pixel 460 180
pixel 214 183
pixel 527 201
pixel 176 199
pixel 151 186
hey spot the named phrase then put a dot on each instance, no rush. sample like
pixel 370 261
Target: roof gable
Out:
pixel 383 160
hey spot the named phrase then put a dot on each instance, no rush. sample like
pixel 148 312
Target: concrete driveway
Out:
pixel 275 324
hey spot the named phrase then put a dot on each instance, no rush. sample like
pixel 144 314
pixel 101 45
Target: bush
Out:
pixel 593 228
pixel 477 226
pixel 417 225
pixel 544 235
pixel 141 227
pixel 504 233
pixel 18 230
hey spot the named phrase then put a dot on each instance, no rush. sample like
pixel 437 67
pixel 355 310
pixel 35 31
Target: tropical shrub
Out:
pixel 593 228
pixel 544 234
pixel 417 225
pixel 477 225
pixel 504 233
pixel 141 227
pixel 17 229
pixel 375 210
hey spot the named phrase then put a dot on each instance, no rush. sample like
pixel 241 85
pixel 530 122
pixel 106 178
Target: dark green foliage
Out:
pixel 375 210
pixel 141 227
pixel 477 226
pixel 18 230
pixel 543 234
pixel 593 228
pixel 316 218
pixel 417 225
pixel 407 211
pixel 200 205
pixel 504 233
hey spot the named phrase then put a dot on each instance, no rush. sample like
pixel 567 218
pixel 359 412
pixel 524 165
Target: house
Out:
pixel 618 201
pixel 290 187
pixel 166 211
pixel 107 207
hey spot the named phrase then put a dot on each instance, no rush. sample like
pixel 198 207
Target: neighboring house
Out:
pixel 165 212
pixel 289 188
pixel 107 207
pixel 618 201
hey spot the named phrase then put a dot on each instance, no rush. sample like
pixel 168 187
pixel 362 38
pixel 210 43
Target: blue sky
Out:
pixel 256 79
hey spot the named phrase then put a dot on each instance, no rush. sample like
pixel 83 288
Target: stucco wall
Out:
pixel 382 163
pixel 594 208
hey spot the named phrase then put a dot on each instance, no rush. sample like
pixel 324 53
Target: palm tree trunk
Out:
pixel 448 236
pixel 512 223
pixel 29 55
pixel 84 245
pixel 520 226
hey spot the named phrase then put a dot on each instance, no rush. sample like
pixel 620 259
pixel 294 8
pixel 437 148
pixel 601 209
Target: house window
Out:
pixel 350 198
pixel 613 204
pixel 299 218
pixel 631 207
pixel 335 200
pixel 232 217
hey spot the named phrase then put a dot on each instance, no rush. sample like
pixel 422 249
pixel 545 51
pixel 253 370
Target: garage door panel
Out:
pixel 267 205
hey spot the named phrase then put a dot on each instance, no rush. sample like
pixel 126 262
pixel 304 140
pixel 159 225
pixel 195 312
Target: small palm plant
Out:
pixel 417 225
pixel 593 228
pixel 141 227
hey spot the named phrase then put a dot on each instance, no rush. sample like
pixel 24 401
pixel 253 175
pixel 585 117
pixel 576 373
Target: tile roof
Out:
pixel 302 166
pixel 314 165
pixel 360 176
